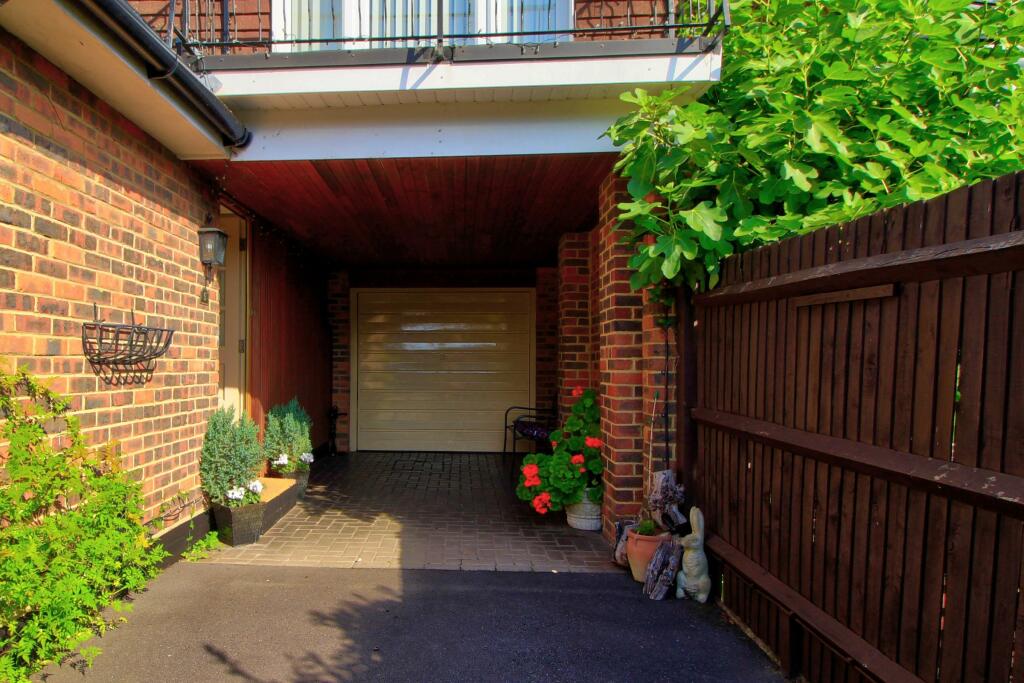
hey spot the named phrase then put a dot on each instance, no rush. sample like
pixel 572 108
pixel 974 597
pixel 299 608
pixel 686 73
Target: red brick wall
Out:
pixel 338 310
pixel 546 324
pixel 92 210
pixel 620 362
pixel 575 350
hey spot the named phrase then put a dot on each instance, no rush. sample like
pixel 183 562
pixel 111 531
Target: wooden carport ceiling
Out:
pixel 425 212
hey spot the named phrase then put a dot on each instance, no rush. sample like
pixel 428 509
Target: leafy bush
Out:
pixel 573 468
pixel 202 548
pixel 826 112
pixel 232 458
pixel 286 440
pixel 71 534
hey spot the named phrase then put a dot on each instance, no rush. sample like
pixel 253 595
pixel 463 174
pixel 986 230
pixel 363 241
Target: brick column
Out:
pixel 576 366
pixel 341 366
pixel 619 315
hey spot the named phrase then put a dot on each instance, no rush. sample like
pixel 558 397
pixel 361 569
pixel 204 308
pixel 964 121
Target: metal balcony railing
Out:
pixel 228 26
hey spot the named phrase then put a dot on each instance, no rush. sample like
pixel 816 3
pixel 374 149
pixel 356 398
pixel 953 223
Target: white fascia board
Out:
pixel 660 69
pixel 69 40
pixel 431 130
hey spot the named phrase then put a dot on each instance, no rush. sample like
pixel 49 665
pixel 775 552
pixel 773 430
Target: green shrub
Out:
pixel 286 439
pixel 232 458
pixel 71 534
pixel 826 112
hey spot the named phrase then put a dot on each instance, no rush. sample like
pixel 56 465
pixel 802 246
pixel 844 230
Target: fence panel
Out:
pixel 859 421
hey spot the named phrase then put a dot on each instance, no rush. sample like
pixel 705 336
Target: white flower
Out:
pixel 255 486
pixel 306 458
pixel 237 493
pixel 282 459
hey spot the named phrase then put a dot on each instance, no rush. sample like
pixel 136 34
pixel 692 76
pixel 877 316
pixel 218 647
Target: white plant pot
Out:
pixel 584 515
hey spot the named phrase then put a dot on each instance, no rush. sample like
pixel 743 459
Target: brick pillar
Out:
pixel 341 367
pixel 619 315
pixel 576 366
pixel 547 339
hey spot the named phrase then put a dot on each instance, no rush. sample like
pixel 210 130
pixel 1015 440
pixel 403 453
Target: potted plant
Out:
pixel 570 476
pixel 229 472
pixel 287 445
pixel 641 543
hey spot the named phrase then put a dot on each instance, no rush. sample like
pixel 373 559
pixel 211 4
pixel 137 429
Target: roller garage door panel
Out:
pixel 436 369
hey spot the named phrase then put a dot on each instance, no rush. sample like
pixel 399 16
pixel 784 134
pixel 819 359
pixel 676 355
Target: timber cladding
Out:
pixel 93 211
pixel 859 412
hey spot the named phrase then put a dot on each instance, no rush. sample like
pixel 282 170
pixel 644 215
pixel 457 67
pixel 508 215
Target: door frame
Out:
pixel 241 256
pixel 354 292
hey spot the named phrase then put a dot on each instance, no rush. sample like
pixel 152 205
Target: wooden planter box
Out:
pixel 278 497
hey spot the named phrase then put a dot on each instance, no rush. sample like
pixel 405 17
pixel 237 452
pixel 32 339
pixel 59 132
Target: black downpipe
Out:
pixel 163 64
pixel 225 25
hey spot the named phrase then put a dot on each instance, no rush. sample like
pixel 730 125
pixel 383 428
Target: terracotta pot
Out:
pixel 640 550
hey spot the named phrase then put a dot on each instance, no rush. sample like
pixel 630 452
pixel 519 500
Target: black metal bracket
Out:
pixel 123 353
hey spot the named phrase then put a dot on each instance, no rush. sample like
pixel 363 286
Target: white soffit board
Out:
pixel 84 53
pixel 527 73
pixel 432 130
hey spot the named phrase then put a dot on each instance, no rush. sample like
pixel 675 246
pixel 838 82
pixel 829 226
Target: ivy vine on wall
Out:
pixel 827 110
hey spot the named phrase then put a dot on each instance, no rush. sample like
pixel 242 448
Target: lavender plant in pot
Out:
pixel 286 443
pixel 229 471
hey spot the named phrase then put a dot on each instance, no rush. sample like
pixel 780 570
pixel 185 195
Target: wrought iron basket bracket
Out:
pixel 123 353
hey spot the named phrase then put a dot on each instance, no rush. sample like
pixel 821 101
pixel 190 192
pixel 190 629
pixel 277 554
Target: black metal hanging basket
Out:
pixel 122 353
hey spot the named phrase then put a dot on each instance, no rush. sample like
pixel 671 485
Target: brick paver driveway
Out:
pixel 421 511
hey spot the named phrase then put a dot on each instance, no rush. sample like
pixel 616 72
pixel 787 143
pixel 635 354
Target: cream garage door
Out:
pixel 436 369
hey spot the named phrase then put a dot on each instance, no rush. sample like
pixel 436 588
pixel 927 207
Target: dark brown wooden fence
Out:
pixel 856 440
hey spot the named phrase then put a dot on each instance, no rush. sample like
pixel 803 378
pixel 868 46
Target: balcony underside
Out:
pixel 496 212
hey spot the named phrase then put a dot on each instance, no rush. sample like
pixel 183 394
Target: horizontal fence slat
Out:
pixel 984 488
pixel 980 256
pixel 814 619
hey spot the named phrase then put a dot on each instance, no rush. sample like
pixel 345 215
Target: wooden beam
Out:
pixel 860 652
pixel 993 254
pixel 985 488
pixel 846 295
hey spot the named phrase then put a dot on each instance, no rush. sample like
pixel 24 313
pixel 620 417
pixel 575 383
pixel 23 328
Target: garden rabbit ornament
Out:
pixel 693 580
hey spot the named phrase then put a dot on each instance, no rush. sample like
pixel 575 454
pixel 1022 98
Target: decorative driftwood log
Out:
pixel 619 552
pixel 665 500
pixel 661 572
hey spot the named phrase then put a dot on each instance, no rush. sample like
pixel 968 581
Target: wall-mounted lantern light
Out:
pixel 213 249
pixel 213 246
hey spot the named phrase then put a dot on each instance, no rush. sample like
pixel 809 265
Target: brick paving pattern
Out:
pixel 421 511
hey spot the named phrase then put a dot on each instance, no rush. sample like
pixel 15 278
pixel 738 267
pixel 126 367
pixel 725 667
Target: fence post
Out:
pixel 686 394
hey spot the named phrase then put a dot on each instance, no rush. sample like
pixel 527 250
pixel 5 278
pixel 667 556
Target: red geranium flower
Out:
pixel 554 444
pixel 592 442
pixel 530 470
pixel 582 470
pixel 577 392
pixel 531 482
pixel 577 459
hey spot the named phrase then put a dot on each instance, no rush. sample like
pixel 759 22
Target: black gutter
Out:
pixel 163 64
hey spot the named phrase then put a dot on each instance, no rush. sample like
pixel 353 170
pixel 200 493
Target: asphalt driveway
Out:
pixel 213 622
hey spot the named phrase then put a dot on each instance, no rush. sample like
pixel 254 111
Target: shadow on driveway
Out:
pixel 208 622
